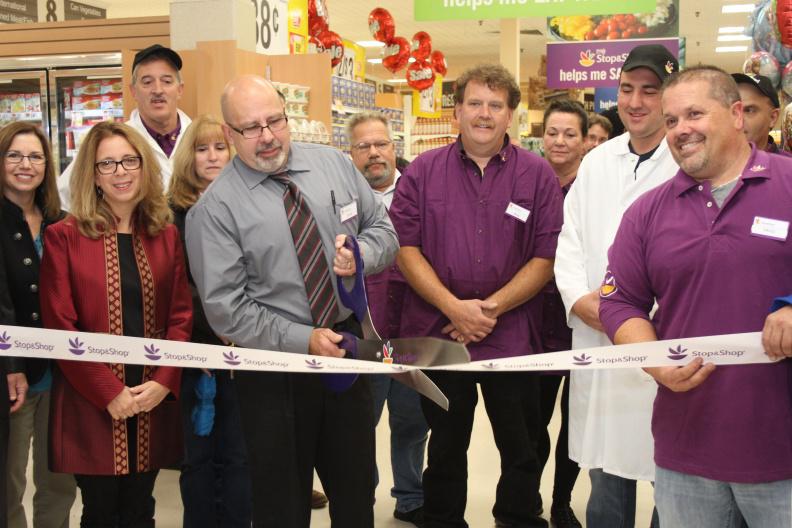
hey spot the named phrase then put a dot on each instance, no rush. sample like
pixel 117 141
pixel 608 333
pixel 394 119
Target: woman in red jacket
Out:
pixel 115 266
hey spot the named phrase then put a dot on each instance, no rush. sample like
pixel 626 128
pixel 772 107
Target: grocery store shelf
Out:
pixel 116 112
pixel 20 116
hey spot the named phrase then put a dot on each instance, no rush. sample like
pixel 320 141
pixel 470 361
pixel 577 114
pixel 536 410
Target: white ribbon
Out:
pixel 18 341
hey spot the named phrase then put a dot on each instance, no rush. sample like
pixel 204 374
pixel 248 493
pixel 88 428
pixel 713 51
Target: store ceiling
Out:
pixel 466 42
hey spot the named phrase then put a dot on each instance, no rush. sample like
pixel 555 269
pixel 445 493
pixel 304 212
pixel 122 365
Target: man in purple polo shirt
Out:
pixel 478 222
pixel 711 247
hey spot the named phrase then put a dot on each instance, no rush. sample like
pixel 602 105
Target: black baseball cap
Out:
pixel 159 52
pixel 762 83
pixel 656 57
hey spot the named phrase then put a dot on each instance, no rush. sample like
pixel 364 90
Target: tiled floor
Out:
pixel 483 465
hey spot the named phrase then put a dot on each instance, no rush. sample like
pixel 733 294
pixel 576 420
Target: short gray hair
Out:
pixel 364 117
pixel 138 65
pixel 722 86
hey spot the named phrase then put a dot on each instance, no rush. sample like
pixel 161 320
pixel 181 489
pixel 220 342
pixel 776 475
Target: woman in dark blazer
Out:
pixel 28 204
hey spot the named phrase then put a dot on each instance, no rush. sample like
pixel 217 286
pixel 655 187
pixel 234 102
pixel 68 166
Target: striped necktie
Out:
pixel 310 254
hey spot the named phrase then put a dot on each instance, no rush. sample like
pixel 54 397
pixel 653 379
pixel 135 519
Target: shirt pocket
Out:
pixel 511 214
pixel 352 224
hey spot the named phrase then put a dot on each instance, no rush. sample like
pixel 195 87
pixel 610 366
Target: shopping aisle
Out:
pixel 481 485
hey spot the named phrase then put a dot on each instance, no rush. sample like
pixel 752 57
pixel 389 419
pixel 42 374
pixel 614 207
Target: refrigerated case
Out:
pixel 65 94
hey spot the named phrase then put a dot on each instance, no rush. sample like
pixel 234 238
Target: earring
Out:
pixel 99 192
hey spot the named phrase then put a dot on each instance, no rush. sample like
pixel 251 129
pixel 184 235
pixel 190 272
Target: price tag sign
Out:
pixel 272 31
pixel 353 64
pixel 427 103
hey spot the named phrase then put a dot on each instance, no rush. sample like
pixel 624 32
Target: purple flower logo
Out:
pixel 230 358
pixel 491 365
pixel 152 352
pixel 313 364
pixel 582 360
pixel 677 353
pixel 4 344
pixel 76 347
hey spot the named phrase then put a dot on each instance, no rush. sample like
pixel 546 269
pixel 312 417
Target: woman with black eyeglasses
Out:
pixel 115 266
pixel 28 204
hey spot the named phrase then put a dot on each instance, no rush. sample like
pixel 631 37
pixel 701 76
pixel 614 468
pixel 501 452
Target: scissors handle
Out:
pixel 354 299
pixel 342 382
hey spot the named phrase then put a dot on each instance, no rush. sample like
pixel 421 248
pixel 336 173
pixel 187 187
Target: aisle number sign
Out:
pixel 426 10
pixel 353 63
pixel 428 103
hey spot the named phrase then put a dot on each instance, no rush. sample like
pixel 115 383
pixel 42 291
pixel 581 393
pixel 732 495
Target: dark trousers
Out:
pixel 215 478
pixel 293 424
pixel 566 470
pixel 4 407
pixel 123 501
pixel 515 431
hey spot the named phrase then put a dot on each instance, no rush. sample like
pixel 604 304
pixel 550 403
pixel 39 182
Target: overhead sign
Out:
pixel 593 64
pixel 663 22
pixel 298 26
pixel 605 98
pixel 272 32
pixel 427 103
pixel 353 63
pixel 426 10
pixel 448 99
pixel 18 11
pixel 79 11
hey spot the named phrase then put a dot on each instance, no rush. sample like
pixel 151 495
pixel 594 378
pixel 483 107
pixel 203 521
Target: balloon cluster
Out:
pixel 398 50
pixel 320 34
pixel 770 29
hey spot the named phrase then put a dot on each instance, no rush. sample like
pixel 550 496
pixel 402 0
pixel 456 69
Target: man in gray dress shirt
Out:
pixel 245 265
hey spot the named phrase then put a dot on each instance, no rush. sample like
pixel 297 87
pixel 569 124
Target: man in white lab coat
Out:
pixel 156 87
pixel 610 410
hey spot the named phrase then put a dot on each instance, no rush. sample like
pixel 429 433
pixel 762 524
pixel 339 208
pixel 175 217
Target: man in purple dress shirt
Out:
pixel 478 222
pixel 711 247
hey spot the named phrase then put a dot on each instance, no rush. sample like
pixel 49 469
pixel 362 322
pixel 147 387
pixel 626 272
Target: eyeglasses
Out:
pixel 381 146
pixel 111 166
pixel 17 157
pixel 276 124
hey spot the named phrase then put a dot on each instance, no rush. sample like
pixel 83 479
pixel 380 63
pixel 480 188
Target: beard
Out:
pixel 274 164
pixel 379 179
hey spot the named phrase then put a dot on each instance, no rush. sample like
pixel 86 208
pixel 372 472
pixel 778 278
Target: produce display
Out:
pixel 662 22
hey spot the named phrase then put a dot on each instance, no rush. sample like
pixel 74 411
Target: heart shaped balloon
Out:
pixel 316 26
pixel 396 54
pixel 331 42
pixel 421 45
pixel 784 20
pixel 438 62
pixel 381 25
pixel 420 75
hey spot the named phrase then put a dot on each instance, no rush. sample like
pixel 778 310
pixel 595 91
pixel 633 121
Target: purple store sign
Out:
pixel 593 64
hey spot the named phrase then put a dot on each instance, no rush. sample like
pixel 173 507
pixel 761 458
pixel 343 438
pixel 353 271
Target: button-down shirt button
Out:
pixel 27 261
pixel 480 231
pixel 709 204
pixel 17 236
pixel 478 260
pixel 700 187
pixel 34 316
pixel 477 292
pixel 34 288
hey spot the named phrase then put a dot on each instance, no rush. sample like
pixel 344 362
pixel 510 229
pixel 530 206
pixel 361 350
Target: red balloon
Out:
pixel 381 25
pixel 784 18
pixel 330 42
pixel 421 45
pixel 396 54
pixel 420 75
pixel 316 26
pixel 438 62
pixel 318 17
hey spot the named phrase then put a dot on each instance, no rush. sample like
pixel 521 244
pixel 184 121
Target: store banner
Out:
pixel 79 11
pixel 272 28
pixel 660 22
pixel 18 11
pixel 428 103
pixel 298 26
pixel 605 98
pixel 593 64
pixel 353 63
pixel 448 98
pixel 427 10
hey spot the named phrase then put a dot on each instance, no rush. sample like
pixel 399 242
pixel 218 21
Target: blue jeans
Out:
pixel 215 477
pixel 612 502
pixel 687 500
pixel 408 439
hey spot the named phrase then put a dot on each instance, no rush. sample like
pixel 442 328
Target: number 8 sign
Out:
pixel 271 32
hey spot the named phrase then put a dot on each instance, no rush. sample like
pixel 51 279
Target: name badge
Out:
pixel 770 228
pixel 515 211
pixel 348 212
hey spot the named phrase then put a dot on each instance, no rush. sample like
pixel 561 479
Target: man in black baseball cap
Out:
pixel 656 57
pixel 157 51
pixel 760 109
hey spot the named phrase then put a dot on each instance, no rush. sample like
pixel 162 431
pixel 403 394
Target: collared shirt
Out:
pixel 166 141
pixel 242 254
pixel 458 218
pixel 390 191
pixel 711 274
pixel 556 335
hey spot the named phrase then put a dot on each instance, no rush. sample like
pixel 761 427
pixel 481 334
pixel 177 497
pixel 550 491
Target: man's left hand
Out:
pixel 777 334
pixel 344 261
pixel 149 395
pixel 17 389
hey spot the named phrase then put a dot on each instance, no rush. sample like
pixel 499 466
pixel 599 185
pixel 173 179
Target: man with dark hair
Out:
pixel 478 222
pixel 156 86
pixel 760 109
pixel 600 130
pixel 610 410
pixel 691 247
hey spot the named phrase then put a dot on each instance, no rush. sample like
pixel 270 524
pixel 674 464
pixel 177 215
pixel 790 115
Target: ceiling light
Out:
pixel 730 49
pixel 374 61
pixel 370 43
pixel 732 38
pixel 730 29
pixel 738 8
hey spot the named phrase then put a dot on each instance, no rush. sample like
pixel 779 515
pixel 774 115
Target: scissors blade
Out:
pixel 420 383
pixel 415 351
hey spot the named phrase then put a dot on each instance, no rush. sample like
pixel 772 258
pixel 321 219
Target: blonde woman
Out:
pixel 215 478
pixel 115 266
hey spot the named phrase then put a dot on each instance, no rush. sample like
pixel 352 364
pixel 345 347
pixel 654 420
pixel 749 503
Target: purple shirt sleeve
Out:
pixel 405 212
pixel 549 212
pixel 625 292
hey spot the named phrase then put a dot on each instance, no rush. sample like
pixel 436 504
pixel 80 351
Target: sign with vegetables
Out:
pixel 663 22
